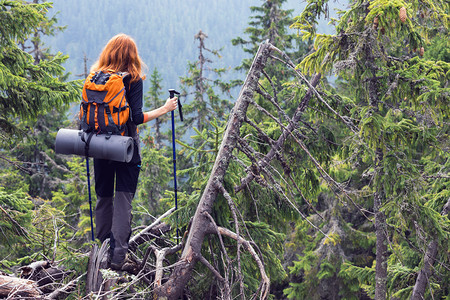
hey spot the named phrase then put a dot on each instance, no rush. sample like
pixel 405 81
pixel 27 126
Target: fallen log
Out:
pixel 18 288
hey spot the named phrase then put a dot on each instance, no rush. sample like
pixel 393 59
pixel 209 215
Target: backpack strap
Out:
pixel 112 127
pixel 87 142
pixel 83 123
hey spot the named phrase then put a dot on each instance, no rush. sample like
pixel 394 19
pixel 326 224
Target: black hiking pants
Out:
pixel 113 210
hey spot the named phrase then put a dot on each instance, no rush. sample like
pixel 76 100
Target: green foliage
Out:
pixel 73 197
pixel 156 172
pixel 364 276
pixel 15 218
pixel 28 87
pixel 152 101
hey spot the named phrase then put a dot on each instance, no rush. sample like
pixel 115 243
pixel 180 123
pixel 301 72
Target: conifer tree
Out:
pixel 271 22
pixel 34 99
pixel 154 100
pixel 44 93
pixel 206 104
pixel 28 87
pixel 155 155
pixel 400 102
pixel 204 84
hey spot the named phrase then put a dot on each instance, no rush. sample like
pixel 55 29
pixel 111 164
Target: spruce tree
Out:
pixel 271 22
pixel 34 97
pixel 155 155
pixel 28 87
pixel 203 89
pixel 400 104
pixel 37 89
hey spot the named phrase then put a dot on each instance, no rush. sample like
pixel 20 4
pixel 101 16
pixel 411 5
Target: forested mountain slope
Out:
pixel 163 30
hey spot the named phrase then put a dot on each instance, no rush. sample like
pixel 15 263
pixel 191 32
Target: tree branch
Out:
pixel 265 281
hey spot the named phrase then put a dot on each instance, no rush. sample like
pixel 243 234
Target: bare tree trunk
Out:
pixel 428 261
pixel 380 218
pixel 381 249
pixel 201 225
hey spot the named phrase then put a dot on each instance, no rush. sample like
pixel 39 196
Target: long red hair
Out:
pixel 121 55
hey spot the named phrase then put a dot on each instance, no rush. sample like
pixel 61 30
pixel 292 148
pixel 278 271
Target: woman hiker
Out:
pixel 113 210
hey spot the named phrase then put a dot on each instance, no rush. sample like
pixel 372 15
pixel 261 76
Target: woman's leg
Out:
pixel 104 171
pixel 126 182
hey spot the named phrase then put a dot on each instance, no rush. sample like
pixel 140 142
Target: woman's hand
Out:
pixel 171 104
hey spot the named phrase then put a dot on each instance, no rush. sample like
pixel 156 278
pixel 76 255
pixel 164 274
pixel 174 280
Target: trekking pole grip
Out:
pixel 172 93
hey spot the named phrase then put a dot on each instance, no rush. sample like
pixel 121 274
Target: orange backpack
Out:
pixel 104 108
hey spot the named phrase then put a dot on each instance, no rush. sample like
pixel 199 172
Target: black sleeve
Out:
pixel 134 94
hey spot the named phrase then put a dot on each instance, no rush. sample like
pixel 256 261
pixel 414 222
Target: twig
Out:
pixel 55 294
pixel 134 239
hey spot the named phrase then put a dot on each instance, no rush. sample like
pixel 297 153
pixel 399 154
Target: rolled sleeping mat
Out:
pixel 113 147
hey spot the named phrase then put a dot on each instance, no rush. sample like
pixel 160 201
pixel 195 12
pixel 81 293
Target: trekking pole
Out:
pixel 172 93
pixel 90 199
pixel 88 173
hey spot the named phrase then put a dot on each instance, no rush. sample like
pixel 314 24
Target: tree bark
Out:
pixel 381 249
pixel 173 288
pixel 428 261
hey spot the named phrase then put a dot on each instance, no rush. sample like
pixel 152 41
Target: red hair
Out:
pixel 121 55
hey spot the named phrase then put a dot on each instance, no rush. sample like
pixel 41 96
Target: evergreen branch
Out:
pixel 288 174
pixel 21 231
pixel 276 187
pixel 328 178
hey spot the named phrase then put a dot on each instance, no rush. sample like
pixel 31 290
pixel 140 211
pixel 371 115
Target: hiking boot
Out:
pixel 116 266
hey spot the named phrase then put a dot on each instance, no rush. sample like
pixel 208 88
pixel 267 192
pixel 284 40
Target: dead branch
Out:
pixel 261 133
pixel 216 230
pixel 236 226
pixel 17 165
pixel 65 289
pixel 29 270
pixel 160 255
pixel 227 290
pixel 200 227
pixel 280 142
pixel 265 281
pixel 140 237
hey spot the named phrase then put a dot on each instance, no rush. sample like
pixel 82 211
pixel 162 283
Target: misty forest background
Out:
pixel 353 204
